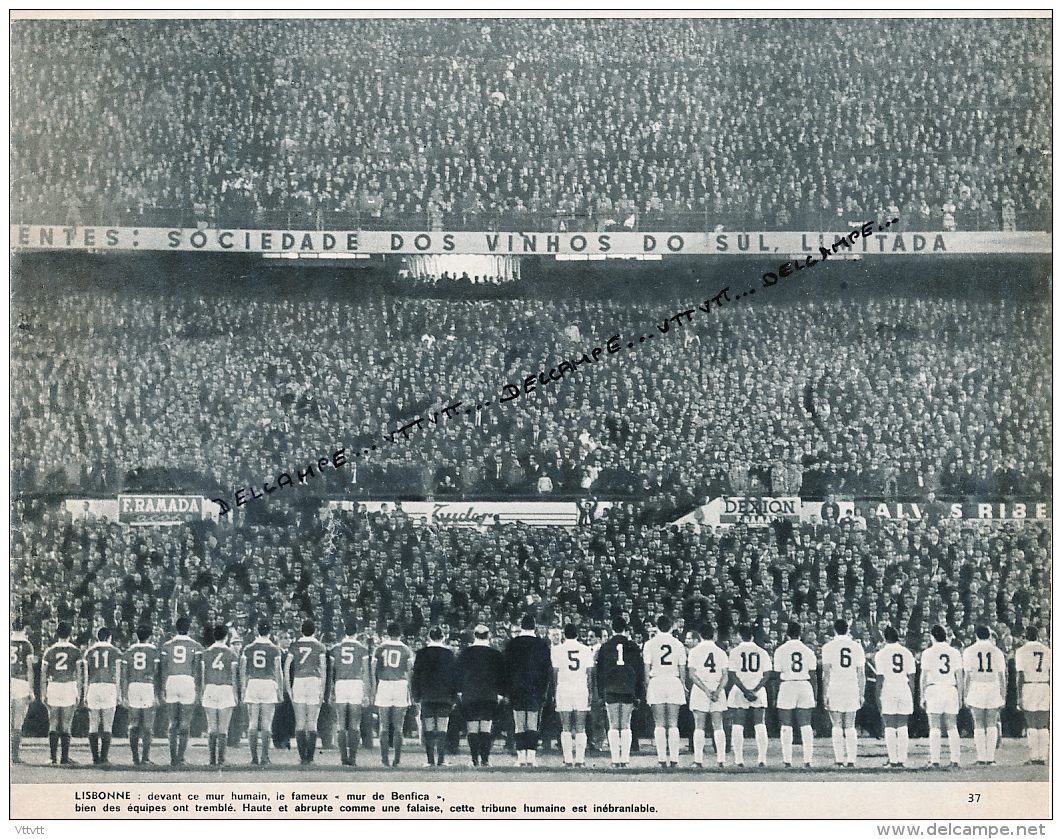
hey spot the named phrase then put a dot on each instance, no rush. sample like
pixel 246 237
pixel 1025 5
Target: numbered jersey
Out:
pixel 140 663
pixel 218 662
pixel 709 661
pixel 844 658
pixel 941 665
pixel 619 667
pixel 795 661
pixel 894 663
pixel 260 659
pixel 983 662
pixel 1034 662
pixel 393 661
pixel 305 657
pixel 180 655
pixel 572 662
pixel 350 660
pixel 61 660
pixel 664 654
pixel 21 654
pixel 101 663
pixel 748 662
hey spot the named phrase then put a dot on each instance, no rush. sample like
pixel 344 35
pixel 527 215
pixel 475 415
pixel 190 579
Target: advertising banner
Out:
pixel 1017 510
pixel 160 509
pixel 483 513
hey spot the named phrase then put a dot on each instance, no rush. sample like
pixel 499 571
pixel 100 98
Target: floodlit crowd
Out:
pixel 518 123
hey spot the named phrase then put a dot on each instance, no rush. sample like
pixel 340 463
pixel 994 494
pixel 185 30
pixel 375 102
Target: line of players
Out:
pixel 666 672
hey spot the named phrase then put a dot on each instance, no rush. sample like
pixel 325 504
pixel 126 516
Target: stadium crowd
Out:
pixel 894 398
pixel 517 123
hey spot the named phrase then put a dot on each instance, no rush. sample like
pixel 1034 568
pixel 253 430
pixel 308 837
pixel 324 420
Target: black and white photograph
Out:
pixel 506 416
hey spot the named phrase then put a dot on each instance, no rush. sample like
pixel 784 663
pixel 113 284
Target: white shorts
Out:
pixel 180 690
pixel 350 691
pixel 665 690
pixel 795 694
pixel 20 689
pixel 843 698
pixel 572 698
pixel 897 701
pixel 1036 696
pixel 942 699
pixel 737 699
pixel 61 694
pixel 261 692
pixel 984 695
pixel 306 690
pixel 392 694
pixel 141 695
pixel 702 702
pixel 219 696
pixel 101 696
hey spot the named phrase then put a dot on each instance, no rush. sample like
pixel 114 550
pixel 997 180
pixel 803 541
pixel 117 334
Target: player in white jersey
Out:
pixel 665 677
pixel 844 682
pixel 895 666
pixel 749 667
pixel 707 663
pixel 1033 663
pixel 797 666
pixel 942 686
pixel 986 685
pixel 572 665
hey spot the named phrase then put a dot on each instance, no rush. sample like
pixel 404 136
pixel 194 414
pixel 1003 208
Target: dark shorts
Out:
pixel 619 698
pixel 479 709
pixel 526 702
pixel 435 709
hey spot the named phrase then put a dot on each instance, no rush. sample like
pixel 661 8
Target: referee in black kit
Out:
pixel 481 683
pixel 528 670
pixel 434 686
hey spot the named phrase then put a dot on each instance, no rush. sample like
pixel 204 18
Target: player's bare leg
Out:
pixel 430 734
pixel 1038 735
pixel 529 720
pixel 306 730
pixel 398 721
pixel 101 720
pixel 738 718
pixel 759 726
pixel 985 720
pixel 349 734
pixel 785 721
pixel 671 715
pixel 180 722
pixel 719 737
pixel 807 735
pixel 844 736
pixel 141 731
pixel 665 719
pixel 896 738
pixel 212 733
pixel 59 720
pixel 567 737
pixel 19 709
pixel 479 741
pixel 619 731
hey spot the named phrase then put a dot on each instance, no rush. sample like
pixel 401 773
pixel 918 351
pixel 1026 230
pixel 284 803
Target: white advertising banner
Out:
pixel 483 513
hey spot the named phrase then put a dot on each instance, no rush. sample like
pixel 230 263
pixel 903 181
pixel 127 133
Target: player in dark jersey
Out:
pixel 392 663
pixel 481 683
pixel 305 669
pixel 100 669
pixel 350 671
pixel 181 666
pixel 22 660
pixel 219 692
pixel 528 670
pixel 139 689
pixel 434 686
pixel 620 681
pixel 61 688
pixel 261 681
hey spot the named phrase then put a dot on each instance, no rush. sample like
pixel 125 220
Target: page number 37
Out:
pixel 974 798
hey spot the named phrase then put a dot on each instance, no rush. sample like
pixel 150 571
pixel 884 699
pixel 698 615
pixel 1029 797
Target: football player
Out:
pixel 305 670
pixel 181 663
pixel 1033 664
pixel 261 683
pixel 797 666
pixel 22 661
pixel 481 682
pixel 392 665
pixel 665 677
pixel 219 692
pixel 985 670
pixel 942 685
pixel 62 690
pixel 350 670
pixel 708 674
pixel 434 686
pixel 749 667
pixel 528 673
pixel 573 664
pixel 620 673
pixel 844 681
pixel 100 667
pixel 895 666
pixel 139 690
